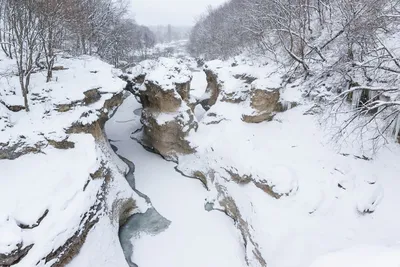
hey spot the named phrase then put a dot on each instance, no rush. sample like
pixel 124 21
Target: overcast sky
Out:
pixel 175 12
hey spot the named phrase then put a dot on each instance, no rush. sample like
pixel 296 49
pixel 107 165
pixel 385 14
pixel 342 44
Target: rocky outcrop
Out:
pixel 244 179
pixel 213 88
pixel 163 88
pixel 15 256
pixel 169 137
pixel 264 104
pixel 229 207
pixel 259 93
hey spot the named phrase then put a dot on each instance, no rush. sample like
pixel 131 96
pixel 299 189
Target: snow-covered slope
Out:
pixel 294 193
pixel 60 182
pixel 316 198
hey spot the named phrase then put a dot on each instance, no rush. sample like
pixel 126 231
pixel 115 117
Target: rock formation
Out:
pixel 259 96
pixel 213 88
pixel 264 104
pixel 164 92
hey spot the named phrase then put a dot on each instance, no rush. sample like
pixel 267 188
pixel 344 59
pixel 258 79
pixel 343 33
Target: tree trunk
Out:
pixel 26 103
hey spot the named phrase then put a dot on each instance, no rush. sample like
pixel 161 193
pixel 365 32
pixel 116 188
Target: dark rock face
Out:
pixel 91 96
pixel 15 256
pixel 18 149
pixel 183 90
pixel 213 88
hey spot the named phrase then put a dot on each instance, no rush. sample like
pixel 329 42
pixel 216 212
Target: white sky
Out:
pixel 175 12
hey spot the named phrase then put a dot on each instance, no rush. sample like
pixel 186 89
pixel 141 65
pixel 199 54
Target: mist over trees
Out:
pixel 169 33
pixel 350 40
pixel 34 32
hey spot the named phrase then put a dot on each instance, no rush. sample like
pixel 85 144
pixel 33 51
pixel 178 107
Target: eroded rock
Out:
pixel 168 135
pixel 163 88
pixel 213 88
pixel 264 104
pixel 228 204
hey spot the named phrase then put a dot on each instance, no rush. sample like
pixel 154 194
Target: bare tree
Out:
pixel 50 21
pixel 5 34
pixel 23 24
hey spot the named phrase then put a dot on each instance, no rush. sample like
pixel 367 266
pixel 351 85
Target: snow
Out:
pixel 68 86
pixel 332 206
pixel 331 198
pixel 166 72
pixel 10 236
pixel 198 84
pixel 44 196
pixel 102 248
pixel 56 187
pixel 199 112
pixel 292 152
pixel 361 256
pixel 370 197
pixel 195 237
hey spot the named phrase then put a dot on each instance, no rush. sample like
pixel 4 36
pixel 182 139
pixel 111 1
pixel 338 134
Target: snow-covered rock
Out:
pixel 163 87
pixel 256 87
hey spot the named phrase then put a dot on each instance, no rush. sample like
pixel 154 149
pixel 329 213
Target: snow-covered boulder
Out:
pixel 163 87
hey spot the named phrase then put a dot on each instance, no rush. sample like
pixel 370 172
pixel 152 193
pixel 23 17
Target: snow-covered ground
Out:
pixel 301 199
pixel 56 183
pixel 329 200
pixel 332 197
pixel 195 237
pixel 328 191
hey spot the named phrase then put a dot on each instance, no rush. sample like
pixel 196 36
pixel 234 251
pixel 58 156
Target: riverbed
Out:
pixel 177 231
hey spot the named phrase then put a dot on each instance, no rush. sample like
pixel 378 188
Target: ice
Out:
pixel 195 237
pixel 356 98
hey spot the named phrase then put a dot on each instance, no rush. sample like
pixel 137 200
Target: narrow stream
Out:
pixel 178 231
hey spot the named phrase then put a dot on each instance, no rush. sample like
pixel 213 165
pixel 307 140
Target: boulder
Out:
pixel 264 104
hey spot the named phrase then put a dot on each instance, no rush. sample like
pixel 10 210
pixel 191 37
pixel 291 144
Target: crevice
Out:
pixel 25 226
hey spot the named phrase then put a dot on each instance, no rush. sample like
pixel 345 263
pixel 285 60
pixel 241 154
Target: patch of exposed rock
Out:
pixel 213 88
pixel 230 208
pixel 264 104
pixel 163 88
